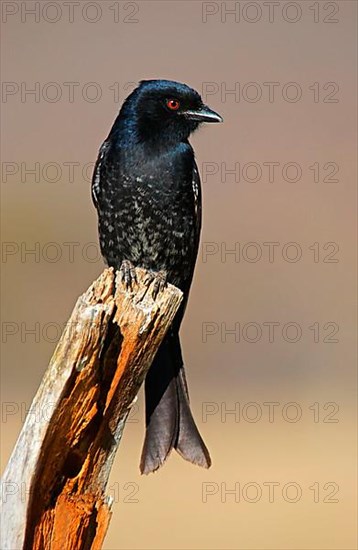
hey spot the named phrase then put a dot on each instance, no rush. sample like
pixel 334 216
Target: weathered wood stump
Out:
pixel 53 489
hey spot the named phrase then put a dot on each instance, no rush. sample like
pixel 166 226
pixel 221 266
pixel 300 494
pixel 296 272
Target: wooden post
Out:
pixel 53 489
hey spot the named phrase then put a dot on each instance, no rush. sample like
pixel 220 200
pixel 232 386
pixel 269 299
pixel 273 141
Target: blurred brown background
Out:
pixel 288 455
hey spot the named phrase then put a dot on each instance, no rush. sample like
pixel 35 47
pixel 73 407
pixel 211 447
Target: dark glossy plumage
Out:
pixel 146 189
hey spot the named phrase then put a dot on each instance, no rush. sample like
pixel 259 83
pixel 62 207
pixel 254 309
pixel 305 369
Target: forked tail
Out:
pixel 169 422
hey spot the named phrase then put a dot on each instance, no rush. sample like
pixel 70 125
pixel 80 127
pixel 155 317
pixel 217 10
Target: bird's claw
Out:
pixel 159 280
pixel 128 274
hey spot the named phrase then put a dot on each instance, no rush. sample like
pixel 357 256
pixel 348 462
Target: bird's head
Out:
pixel 166 110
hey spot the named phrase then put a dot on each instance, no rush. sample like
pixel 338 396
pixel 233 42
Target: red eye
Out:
pixel 173 104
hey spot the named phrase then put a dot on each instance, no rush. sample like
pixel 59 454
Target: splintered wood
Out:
pixel 53 489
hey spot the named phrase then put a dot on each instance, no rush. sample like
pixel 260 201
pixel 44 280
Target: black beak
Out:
pixel 204 114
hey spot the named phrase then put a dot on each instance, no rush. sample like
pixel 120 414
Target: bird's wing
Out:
pixel 96 178
pixel 197 205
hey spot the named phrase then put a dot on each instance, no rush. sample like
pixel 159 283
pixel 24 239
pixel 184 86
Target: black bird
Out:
pixel 146 188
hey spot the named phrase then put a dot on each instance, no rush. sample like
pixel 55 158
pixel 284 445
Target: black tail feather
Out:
pixel 169 422
pixel 189 443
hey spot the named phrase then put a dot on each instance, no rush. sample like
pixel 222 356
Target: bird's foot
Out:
pixel 159 280
pixel 128 274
